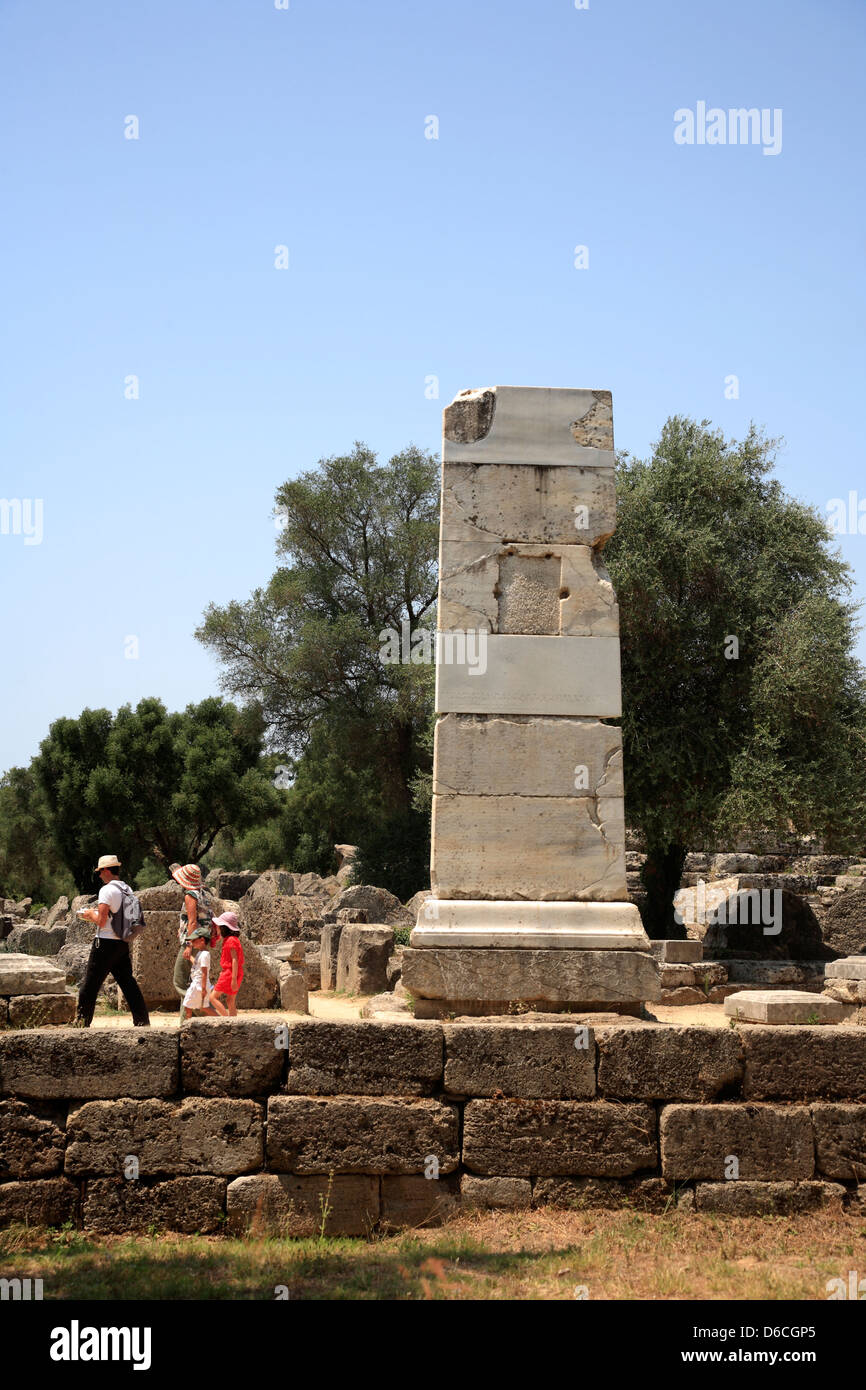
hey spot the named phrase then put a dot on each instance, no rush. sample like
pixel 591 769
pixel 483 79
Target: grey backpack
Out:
pixel 128 921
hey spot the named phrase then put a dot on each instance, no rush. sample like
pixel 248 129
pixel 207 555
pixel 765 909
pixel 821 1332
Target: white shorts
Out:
pixel 192 999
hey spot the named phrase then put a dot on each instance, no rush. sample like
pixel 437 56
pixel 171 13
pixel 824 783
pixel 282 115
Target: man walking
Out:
pixel 109 954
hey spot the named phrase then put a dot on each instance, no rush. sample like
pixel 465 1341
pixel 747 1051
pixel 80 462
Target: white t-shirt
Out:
pixel 111 894
pixel 200 960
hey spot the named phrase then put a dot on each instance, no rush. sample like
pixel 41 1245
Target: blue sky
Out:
pixel 408 258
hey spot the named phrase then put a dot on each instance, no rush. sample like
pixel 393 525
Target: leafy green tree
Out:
pixel 149 783
pixel 744 708
pixel 359 544
pixel 30 866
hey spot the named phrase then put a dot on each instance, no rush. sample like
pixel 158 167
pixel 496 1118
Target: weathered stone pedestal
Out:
pixel 530 905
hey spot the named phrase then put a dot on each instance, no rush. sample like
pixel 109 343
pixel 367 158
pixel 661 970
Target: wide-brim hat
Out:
pixel 188 876
pixel 229 920
pixel 107 861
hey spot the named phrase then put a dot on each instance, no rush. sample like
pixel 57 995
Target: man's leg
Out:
pixel 121 969
pixel 98 966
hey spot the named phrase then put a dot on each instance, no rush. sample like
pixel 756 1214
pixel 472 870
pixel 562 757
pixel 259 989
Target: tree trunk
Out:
pixel 661 876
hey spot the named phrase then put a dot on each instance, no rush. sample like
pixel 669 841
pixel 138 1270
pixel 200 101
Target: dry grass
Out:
pixel 548 1254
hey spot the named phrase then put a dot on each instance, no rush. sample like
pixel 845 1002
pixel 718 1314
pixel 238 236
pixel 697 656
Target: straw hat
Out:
pixel 188 876
pixel 107 861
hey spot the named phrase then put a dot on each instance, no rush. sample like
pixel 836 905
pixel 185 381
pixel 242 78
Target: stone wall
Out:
pixel 374 1125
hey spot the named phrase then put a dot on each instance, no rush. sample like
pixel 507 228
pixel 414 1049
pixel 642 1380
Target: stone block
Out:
pixel 769 1141
pixel 20 974
pixel 191 1206
pixel 525 589
pixel 362 959
pixel 612 1194
pixel 492 1194
pixel 39 1010
pixel 4 1013
pixel 847 991
pixel 484 506
pixel 31 1140
pixel 772 974
pixel 532 847
pixel 719 993
pixel 154 953
pixel 673 952
pixel 43 1202
pixel 802 1063
pixel 684 995
pixel 533 426
pixel 676 976
pixel 765 1198
pixel 588 977
pixel 414 1201
pixel 848 968
pixel 165 897
pixel 521 755
pixel 221 1137
pixel 544 1138
pixel 374 1135
pixel 784 1006
pixel 293 990
pixel 32 940
pixel 232 1057
pixel 499 675
pixel 285 1205
pixel 369 1059
pixel 85 1064
pixel 840 1141
pixel 467 922
pixel 665 1062
pixel 331 932
pixel 520 1058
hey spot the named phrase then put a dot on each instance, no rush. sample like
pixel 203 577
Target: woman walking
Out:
pixel 197 911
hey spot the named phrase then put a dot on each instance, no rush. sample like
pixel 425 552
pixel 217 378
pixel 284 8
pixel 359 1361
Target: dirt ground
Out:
pixel 346 1008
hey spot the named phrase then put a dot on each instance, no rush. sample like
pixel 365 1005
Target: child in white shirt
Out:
pixel 196 995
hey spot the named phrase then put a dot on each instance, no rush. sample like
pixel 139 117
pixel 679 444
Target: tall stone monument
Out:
pixel 529 904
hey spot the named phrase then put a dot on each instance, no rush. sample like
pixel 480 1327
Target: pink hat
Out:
pixel 228 919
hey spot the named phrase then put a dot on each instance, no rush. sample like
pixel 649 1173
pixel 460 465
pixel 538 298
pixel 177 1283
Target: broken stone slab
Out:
pixel 673 952
pixel 531 847
pixel 801 1062
pixel 194 1136
pixel 41 1010
pixel 765 1198
pixel 536 426
pixel 545 1138
pixel 298 1207
pixel 784 1006
pixel 524 1058
pixel 682 996
pixel 39 1202
pixel 846 991
pixel 32 1140
pixel 494 1194
pixel 525 755
pixel 523 589
pixel 485 506
pixel 668 1062
pixel 478 973
pixel 33 940
pixel 192 1206
pixel 774 974
pixel 364 1059
pixel 85 1064
pixel 848 968
pixel 22 974
pixel 675 976
pixel 232 1056
pixel 768 1142
pixel 474 923
pixel 840 1141
pixel 362 959
pixel 499 674
pixel 415 1201
pixel 348 1134
pixel 293 990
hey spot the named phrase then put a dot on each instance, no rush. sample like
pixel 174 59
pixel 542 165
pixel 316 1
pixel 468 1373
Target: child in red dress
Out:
pixel 231 974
